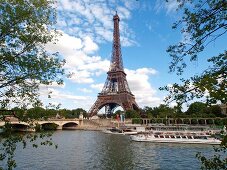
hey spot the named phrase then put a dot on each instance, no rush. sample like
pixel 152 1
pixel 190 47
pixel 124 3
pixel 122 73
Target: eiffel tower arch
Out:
pixel 116 91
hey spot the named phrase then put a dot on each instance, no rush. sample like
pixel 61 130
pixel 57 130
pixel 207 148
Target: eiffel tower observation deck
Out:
pixel 116 91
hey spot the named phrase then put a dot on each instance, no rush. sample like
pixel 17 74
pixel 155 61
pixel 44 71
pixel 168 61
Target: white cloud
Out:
pixel 89 45
pixel 146 71
pixel 140 86
pixel 169 6
pixel 93 18
pixel 84 25
pixel 65 44
pixel 123 12
pixel 76 53
pixel 56 94
pixel 85 104
pixel 83 76
pixel 131 5
pixel 97 86
pixel 52 85
pixel 85 90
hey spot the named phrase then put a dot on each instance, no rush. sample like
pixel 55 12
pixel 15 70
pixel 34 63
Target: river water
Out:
pixel 84 150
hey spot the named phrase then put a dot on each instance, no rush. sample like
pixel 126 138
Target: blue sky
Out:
pixel 86 44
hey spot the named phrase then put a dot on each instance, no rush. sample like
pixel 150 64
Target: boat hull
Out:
pixel 167 140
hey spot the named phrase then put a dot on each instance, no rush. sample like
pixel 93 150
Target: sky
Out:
pixel 86 45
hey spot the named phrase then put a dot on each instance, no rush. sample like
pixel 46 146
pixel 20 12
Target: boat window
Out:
pixel 166 136
pixel 189 137
pixel 178 137
pixel 196 137
pixel 184 137
pixel 161 136
pixel 156 136
pixel 172 136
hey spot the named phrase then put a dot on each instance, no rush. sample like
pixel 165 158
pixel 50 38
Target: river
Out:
pixel 84 150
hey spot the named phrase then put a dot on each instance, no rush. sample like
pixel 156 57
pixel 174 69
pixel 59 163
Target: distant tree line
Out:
pixel 195 110
pixel 44 114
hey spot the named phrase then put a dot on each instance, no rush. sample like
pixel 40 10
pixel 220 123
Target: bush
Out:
pixel 159 120
pixel 179 121
pixel 186 121
pixel 194 121
pixel 201 121
pixel 210 121
pixel 136 121
pixel 218 122
pixel 49 126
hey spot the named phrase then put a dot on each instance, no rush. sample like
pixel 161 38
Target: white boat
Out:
pixel 113 131
pixel 125 131
pixel 176 138
pixel 129 131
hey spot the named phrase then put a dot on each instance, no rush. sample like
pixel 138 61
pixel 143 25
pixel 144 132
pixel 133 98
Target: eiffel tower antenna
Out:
pixel 116 91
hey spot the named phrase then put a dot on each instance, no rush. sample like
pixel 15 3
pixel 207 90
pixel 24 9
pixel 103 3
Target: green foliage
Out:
pixel 196 108
pixel 136 121
pixel 36 113
pixel 75 113
pixel 161 111
pixel 132 114
pixel 202 23
pixel 10 139
pixel 25 28
pixel 217 161
pixel 218 122
pixel 215 110
pixel 49 126
pixel 194 121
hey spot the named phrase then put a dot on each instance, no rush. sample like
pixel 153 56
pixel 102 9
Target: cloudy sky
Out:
pixel 86 45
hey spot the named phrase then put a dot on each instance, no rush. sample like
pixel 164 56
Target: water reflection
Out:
pixel 95 150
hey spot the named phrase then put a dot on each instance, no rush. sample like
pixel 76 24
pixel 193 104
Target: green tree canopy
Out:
pixel 202 22
pixel 25 27
pixel 161 111
pixel 36 113
pixel 132 114
pixel 196 108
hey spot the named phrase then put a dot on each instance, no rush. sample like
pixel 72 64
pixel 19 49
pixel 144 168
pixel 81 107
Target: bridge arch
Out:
pixel 112 106
pixel 49 126
pixel 21 127
pixel 69 126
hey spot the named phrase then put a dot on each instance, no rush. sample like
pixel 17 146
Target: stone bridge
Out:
pixel 61 123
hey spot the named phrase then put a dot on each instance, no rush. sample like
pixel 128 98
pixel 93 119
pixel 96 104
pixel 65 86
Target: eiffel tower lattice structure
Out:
pixel 116 91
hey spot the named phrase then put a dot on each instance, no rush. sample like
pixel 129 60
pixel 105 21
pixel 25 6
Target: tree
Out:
pixel 202 22
pixel 196 108
pixel 217 161
pixel 36 113
pixel 132 114
pixel 25 27
pixel 161 111
pixel 215 110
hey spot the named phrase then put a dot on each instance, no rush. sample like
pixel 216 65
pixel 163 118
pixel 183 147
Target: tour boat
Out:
pixel 129 131
pixel 176 138
pixel 124 131
pixel 113 131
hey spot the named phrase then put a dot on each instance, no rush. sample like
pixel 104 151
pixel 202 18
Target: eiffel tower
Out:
pixel 116 91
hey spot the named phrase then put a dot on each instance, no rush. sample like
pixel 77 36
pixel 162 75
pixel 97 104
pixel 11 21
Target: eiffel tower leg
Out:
pixel 95 108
